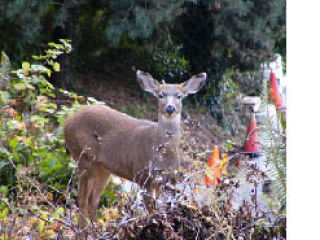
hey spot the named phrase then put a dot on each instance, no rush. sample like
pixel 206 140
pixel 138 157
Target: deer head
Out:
pixel 170 96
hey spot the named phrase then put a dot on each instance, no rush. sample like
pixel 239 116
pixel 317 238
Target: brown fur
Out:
pixel 103 141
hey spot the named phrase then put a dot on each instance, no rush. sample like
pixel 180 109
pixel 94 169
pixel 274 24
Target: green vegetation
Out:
pixel 134 110
pixel 28 117
pixel 31 121
pixel 172 40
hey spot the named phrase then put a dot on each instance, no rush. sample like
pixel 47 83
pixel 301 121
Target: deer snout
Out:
pixel 170 109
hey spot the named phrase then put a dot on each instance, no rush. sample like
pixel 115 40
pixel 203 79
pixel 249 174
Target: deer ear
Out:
pixel 147 82
pixel 194 84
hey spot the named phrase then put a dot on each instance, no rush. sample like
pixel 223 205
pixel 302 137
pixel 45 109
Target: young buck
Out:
pixel 104 141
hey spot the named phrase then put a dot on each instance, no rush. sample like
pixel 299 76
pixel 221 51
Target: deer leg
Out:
pixel 85 188
pixel 100 176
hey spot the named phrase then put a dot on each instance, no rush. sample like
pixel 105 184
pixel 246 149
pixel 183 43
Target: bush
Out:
pixel 250 82
pixel 222 101
pixel 31 140
pixel 171 65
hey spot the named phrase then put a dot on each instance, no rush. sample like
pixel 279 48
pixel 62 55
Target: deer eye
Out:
pixel 179 96
pixel 160 95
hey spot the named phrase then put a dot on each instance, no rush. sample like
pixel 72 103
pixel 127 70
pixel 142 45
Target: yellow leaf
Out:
pixel 60 210
pixel 33 222
pixel 47 234
pixel 44 214
pixel 224 163
pixel 41 226
pixel 20 86
pixel 50 196
pixel 4 58
pixel 75 219
pixel 49 72
pixel 101 223
pixel 30 86
pixel 22 138
pixel 26 66
pixel 4 213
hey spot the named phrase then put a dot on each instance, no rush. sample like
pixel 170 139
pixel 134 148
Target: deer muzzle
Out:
pixel 170 109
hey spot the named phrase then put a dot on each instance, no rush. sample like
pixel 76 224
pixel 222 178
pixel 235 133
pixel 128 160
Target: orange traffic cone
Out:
pixel 251 146
pixel 274 92
pixel 214 164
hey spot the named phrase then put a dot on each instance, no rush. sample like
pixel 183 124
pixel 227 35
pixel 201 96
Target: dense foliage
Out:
pixel 215 34
pixel 30 113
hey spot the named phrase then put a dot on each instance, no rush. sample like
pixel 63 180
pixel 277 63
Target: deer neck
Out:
pixel 169 131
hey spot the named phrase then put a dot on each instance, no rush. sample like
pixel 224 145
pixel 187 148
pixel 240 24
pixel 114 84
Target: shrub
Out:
pixel 222 101
pixel 31 140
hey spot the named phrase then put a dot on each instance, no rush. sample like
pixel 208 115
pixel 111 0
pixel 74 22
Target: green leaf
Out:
pixel 4 188
pixel 14 142
pixel 4 97
pixel 50 85
pixel 4 152
pixel 26 66
pixel 56 67
pixel 3 164
pixel 41 57
pixel 52 44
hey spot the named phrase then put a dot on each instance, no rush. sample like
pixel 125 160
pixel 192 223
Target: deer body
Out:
pixel 122 144
pixel 106 141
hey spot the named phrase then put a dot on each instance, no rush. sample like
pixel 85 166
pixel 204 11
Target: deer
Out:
pixel 104 141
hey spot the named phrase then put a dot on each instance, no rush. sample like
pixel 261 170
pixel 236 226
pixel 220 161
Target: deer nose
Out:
pixel 170 109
